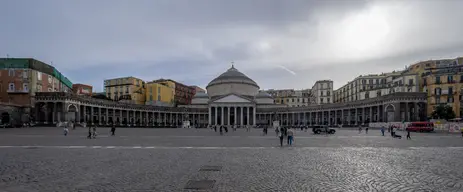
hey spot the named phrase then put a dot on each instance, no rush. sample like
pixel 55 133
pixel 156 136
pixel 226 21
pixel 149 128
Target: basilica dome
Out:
pixel 232 81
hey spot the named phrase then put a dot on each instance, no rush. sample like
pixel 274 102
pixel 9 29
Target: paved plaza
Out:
pixel 42 159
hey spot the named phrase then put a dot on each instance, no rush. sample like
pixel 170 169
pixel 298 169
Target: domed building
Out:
pixel 232 99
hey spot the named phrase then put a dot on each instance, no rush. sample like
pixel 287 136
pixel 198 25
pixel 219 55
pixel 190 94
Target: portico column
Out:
pixel 216 115
pixel 378 112
pixel 120 117
pixel 84 113
pixel 221 117
pixel 91 115
pixel 234 115
pixel 128 116
pixel 247 116
pixel 407 112
pixel 415 112
pixel 254 115
pixel 371 114
pixel 348 116
pixel 241 115
pixel 363 115
pixel 228 115
pixel 210 115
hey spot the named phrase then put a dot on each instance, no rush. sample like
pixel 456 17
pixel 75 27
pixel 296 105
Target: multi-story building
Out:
pixel 183 93
pixel 21 78
pixel 82 89
pixel 127 89
pixel 323 91
pixel 198 89
pixel 160 94
pixel 442 80
pixel 292 97
pixel 375 85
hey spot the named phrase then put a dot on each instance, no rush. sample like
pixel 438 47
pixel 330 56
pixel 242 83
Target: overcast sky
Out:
pixel 278 43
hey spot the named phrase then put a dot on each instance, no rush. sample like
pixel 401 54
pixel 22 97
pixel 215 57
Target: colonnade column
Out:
pixel 371 114
pixel 378 114
pixel 221 118
pixel 234 115
pixel 210 115
pixel 241 115
pixel 216 115
pixel 254 115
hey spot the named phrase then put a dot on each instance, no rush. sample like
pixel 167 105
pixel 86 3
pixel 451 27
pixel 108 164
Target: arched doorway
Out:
pixel 71 114
pixel 390 111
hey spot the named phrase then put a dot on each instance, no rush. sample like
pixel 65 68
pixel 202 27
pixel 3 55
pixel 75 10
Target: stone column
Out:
pixel 234 115
pixel 348 116
pixel 371 114
pixel 84 113
pixel 210 115
pixel 91 115
pixel 356 116
pixel 378 113
pixel 54 113
pixel 241 115
pixel 342 116
pixel 120 117
pixel 335 117
pixel 363 115
pixel 216 115
pixel 407 113
pixel 415 112
pixel 127 113
pixel 254 115
pixel 316 118
pixel 310 119
pixel 222 115
pixel 248 116
pixel 228 115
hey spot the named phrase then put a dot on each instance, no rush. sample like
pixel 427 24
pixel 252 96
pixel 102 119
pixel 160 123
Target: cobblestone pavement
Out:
pixel 42 159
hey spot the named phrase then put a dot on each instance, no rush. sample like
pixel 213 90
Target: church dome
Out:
pixel 232 75
pixel 232 81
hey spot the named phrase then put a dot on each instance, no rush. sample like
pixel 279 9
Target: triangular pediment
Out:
pixel 232 99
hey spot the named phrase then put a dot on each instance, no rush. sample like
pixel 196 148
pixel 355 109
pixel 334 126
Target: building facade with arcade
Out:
pixel 232 98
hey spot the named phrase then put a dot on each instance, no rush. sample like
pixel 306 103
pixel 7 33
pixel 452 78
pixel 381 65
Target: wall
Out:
pixel 224 89
pixel 159 92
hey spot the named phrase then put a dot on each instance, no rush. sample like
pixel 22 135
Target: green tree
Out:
pixel 443 112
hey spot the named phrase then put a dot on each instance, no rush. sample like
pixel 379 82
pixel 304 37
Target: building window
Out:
pixel 25 87
pixel 39 76
pixel 39 88
pixel 410 82
pixel 437 91
pixel 159 97
pixel 11 72
pixel 450 99
pixel 450 90
pixel 438 80
pixel 328 100
pixel 450 79
pixel 151 97
pixel 159 90
pixel 11 87
pixel 370 81
pixel 126 89
pixel 49 78
pixel 25 74
pixel 367 95
pixel 328 93
pixel 321 94
pixel 321 100
pixel 321 86
pixel 437 99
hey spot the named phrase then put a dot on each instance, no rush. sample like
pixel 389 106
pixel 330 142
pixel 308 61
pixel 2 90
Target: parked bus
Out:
pixel 420 127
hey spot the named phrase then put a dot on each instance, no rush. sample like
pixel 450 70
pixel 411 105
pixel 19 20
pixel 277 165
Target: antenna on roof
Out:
pixel 233 66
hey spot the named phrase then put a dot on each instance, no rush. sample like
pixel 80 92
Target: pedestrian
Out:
pixel 360 129
pixel 276 131
pixel 382 130
pixel 290 136
pixel 66 131
pixel 113 130
pixel 392 131
pixel 226 129
pixel 215 128
pixel 73 125
pixel 221 130
pixel 94 131
pixel 281 135
pixel 408 134
pixel 89 132
pixel 366 130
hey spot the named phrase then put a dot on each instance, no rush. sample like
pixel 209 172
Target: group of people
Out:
pixel 91 130
pixel 285 132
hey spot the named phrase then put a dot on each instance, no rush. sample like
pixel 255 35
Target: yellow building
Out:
pixel 160 93
pixel 127 89
pixel 443 82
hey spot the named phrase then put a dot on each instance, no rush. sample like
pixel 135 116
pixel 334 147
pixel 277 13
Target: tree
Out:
pixel 443 112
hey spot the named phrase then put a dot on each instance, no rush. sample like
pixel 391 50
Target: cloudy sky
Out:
pixel 279 44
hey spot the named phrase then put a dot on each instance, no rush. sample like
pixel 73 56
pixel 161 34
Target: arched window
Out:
pixel 11 87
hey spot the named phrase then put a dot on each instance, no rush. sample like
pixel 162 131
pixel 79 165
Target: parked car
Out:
pixel 323 129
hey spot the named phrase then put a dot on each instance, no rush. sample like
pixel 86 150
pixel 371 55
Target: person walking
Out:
pixel 94 132
pixel 89 133
pixel 382 130
pixel 360 129
pixel 113 130
pixel 366 130
pixel 408 134
pixel 281 135
pixel 73 125
pixel 220 129
pixel 66 131
pixel 290 136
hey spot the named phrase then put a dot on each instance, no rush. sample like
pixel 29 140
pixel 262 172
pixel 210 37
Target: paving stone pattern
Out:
pixel 349 162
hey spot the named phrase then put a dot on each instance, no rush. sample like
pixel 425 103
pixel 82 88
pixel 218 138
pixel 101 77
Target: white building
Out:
pixel 371 86
pixel 323 91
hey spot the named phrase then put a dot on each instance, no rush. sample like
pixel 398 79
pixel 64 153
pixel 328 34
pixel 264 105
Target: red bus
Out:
pixel 420 127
